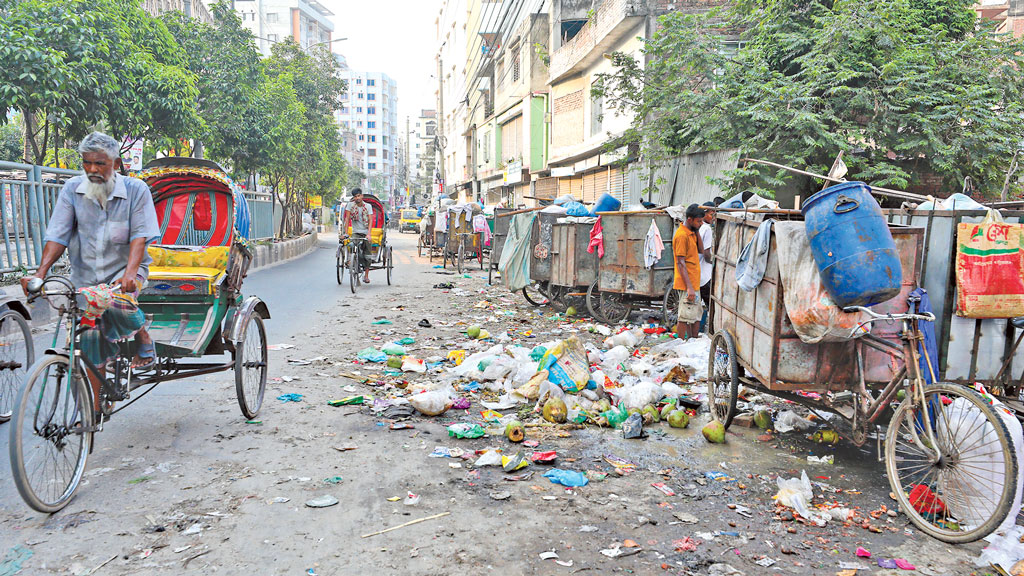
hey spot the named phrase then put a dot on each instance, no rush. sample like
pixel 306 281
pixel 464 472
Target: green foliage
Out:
pixel 12 141
pixel 63 158
pixel 899 85
pixel 72 65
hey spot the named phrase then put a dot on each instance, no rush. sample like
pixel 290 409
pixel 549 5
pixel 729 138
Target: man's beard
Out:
pixel 99 191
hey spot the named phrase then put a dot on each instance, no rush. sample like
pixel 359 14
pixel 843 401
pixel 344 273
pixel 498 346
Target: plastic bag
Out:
pixel 432 403
pixel 463 430
pixel 569 478
pixel 531 390
pixel 567 366
pixel 787 421
pixel 393 349
pixel 989 269
pixel 796 493
pixel 1004 551
pixel 640 395
pixel 615 356
pixel 627 338
pixel 576 209
pixel 488 458
pixel 371 354
pixel 616 416
pixel 410 364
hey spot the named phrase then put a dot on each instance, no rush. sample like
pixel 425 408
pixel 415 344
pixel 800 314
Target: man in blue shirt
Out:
pixel 105 220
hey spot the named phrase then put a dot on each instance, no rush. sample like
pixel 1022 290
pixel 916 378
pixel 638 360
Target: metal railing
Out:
pixel 261 209
pixel 27 197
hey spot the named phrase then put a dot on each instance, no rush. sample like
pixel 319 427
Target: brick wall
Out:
pixel 567 120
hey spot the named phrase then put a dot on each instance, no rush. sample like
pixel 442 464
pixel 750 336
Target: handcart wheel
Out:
pixel 17 353
pixel 462 258
pixel 534 295
pixel 490 275
pixel 723 378
pixel 594 302
pixel 614 307
pixel 556 298
pixel 670 308
pixel 390 264
pixel 251 367
pixel 965 491
pixel 51 434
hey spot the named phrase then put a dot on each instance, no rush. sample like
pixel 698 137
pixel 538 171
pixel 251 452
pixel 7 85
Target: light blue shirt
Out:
pixel 98 240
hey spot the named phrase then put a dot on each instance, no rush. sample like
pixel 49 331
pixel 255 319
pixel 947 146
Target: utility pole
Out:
pixel 408 189
pixel 439 138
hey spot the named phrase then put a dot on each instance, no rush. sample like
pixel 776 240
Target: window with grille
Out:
pixel 515 63
pixel 371 152
pixel 271 17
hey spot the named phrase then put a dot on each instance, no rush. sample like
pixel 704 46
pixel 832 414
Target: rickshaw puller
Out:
pixel 105 220
pixel 357 215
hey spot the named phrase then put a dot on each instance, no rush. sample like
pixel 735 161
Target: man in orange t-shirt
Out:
pixel 686 251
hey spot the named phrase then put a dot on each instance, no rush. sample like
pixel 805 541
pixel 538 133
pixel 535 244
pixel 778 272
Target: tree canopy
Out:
pixel 906 88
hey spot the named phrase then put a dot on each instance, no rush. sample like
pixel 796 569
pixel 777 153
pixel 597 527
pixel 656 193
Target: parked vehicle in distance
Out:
pixel 410 221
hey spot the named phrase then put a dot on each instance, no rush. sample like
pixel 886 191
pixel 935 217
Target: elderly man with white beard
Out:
pixel 105 220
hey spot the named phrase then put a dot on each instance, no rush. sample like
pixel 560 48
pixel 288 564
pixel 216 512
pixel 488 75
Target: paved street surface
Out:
pixel 180 484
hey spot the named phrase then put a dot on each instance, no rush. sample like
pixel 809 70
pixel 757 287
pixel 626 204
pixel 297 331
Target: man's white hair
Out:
pixel 100 142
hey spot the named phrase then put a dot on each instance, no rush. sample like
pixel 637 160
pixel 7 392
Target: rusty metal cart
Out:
pixel 461 242
pixel 540 259
pixel 947 451
pixel 498 236
pixel 573 269
pixel 624 282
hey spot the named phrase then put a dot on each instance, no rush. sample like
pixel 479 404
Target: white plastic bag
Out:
pixel 488 458
pixel 639 395
pixel 1003 551
pixel 787 421
pixel 627 338
pixel 796 493
pixel 432 403
pixel 614 357
pixel 410 364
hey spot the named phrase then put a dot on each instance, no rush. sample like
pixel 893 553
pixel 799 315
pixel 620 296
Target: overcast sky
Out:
pixel 395 37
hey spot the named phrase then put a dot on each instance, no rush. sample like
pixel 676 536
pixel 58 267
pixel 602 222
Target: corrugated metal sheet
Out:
pixel 546 188
pixel 590 187
pixel 684 180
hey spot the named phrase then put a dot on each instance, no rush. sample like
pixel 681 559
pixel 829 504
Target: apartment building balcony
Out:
pixel 612 22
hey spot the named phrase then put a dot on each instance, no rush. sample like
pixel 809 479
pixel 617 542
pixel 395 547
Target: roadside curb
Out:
pixel 263 256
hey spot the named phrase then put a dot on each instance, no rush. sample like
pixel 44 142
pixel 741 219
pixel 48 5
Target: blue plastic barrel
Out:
pixel 606 203
pixel 852 245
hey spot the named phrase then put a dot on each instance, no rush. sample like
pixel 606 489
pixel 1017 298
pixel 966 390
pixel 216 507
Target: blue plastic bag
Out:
pixel 372 355
pixel 576 209
pixel 569 478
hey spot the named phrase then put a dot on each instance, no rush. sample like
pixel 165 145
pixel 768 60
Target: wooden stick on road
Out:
pixel 409 523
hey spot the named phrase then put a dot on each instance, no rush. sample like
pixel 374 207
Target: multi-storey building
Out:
pixel 422 161
pixel 370 111
pixel 453 45
pixel 271 21
pixel 1008 13
pixel 191 8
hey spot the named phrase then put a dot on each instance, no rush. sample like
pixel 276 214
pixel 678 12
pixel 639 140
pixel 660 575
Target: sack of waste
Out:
pixel 432 403
pixel 567 366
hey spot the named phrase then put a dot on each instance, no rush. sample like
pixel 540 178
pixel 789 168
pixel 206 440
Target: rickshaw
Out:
pixel 194 308
pixel 462 242
pixel 348 255
pixel 426 239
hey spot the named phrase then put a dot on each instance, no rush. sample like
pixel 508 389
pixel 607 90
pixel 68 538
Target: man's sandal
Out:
pixel 146 351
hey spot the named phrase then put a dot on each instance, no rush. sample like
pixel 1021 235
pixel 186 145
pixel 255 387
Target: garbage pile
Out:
pixel 635 377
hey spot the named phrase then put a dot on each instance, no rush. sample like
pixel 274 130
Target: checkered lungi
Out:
pixel 113 316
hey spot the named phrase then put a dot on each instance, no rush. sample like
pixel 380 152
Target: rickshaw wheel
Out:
pixel 353 269
pixel 723 378
pixel 969 491
pixel 17 354
pixel 614 307
pixel 389 264
pixel 341 264
pixel 534 295
pixel 670 308
pixel 251 367
pixel 51 434
pixel 419 247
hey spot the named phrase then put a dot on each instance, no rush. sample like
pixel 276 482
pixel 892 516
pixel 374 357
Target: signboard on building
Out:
pixel 132 158
pixel 313 202
pixel 562 171
pixel 513 173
